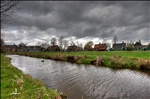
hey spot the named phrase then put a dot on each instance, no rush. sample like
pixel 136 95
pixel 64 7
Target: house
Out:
pixel 100 47
pixel 53 48
pixel 72 48
pixel 119 46
pixel 33 48
pixel 88 48
pixel 79 49
pixel 10 48
pixel 138 46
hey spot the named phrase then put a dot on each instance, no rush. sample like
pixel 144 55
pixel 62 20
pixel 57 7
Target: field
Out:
pixel 16 85
pixel 118 59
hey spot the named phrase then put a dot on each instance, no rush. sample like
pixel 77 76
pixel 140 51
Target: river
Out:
pixel 89 82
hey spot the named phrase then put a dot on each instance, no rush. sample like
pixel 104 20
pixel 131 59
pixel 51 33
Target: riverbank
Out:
pixel 114 59
pixel 15 84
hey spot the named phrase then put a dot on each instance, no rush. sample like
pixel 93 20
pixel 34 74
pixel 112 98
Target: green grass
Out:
pixel 16 85
pixel 121 59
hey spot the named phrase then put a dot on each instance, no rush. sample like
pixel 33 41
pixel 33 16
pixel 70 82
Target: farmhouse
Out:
pixel 119 46
pixel 33 48
pixel 11 48
pixel 138 46
pixel 72 48
pixel 53 48
pixel 100 47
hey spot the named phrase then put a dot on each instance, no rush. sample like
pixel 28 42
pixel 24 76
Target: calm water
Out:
pixel 90 82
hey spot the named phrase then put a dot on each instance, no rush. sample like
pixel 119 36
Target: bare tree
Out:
pixel 53 41
pixel 22 44
pixel 45 45
pixel 65 44
pixel 79 44
pixel 7 9
pixel 61 42
pixel 108 45
pixel 72 43
pixel 38 43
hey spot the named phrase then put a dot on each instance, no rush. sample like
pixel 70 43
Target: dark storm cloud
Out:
pixel 104 19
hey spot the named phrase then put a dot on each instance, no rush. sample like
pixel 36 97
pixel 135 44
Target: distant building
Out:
pixel 71 48
pixel 33 48
pixel 100 47
pixel 53 48
pixel 119 46
pixel 10 48
pixel 138 46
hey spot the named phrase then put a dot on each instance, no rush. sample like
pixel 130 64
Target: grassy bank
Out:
pixel 115 59
pixel 16 85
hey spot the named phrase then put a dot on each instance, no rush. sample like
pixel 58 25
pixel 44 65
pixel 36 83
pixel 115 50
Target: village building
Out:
pixel 79 49
pixel 74 48
pixel 53 48
pixel 119 46
pixel 34 48
pixel 138 46
pixel 100 47
pixel 71 48
pixel 10 48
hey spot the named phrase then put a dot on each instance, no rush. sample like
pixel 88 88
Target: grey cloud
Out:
pixel 81 19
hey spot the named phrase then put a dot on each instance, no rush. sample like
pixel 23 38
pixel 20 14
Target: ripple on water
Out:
pixel 91 82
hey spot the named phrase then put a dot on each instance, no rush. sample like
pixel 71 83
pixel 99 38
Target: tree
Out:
pixel 2 45
pixel 72 43
pixel 129 47
pixel 108 45
pixel 7 9
pixel 61 42
pixel 44 45
pixel 53 41
pixel 90 43
pixel 22 44
pixel 65 44
pixel 115 39
pixel 138 43
pixel 88 46
pixel 38 44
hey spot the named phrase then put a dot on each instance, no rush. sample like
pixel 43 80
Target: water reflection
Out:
pixel 88 81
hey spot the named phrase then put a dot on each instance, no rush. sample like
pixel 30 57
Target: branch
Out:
pixel 8 7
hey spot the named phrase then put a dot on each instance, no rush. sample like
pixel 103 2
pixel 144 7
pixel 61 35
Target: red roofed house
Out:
pixel 100 47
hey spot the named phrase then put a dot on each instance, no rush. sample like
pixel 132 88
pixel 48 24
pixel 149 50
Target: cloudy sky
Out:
pixel 82 21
